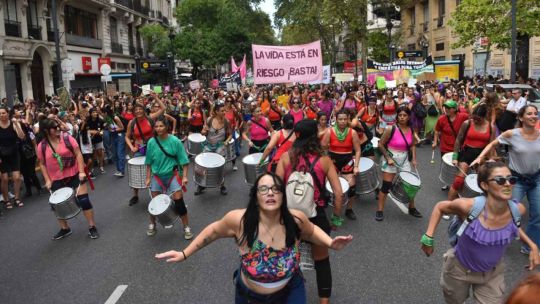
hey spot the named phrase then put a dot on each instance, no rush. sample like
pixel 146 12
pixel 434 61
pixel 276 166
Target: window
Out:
pixel 80 23
pixel 10 10
pixel 426 11
pixel 113 29
pixel 411 47
pixel 442 9
pixel 439 58
pixel 32 14
pixel 439 46
pixel 413 16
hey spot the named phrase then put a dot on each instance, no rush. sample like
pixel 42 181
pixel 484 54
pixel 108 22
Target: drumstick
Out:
pixel 90 182
pixel 432 157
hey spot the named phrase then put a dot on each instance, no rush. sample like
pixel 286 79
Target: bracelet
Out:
pixel 336 220
pixel 455 156
pixel 185 257
pixel 427 240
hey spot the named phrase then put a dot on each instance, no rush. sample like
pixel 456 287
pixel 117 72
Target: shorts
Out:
pixel 195 129
pixel 294 292
pixel 400 159
pixel 344 162
pixel 276 125
pixel 468 154
pixel 98 146
pixel 72 182
pixel 170 182
pixel 321 220
pixel 11 163
pixel 87 157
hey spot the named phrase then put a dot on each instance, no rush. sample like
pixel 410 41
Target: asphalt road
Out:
pixel 383 264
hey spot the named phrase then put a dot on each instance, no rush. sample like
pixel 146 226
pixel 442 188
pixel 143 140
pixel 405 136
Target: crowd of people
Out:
pixel 322 129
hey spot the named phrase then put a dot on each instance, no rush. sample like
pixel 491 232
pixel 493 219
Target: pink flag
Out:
pixel 243 68
pixel 234 67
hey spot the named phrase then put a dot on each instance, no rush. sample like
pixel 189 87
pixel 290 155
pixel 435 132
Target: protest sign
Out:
pixel 194 85
pixel 327 76
pixel 283 64
pixel 146 89
pixel 158 90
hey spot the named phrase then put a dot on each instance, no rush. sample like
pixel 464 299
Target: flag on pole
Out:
pixel 243 68
pixel 234 67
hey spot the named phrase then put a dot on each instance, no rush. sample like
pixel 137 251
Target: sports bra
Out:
pixel 197 118
pixel 337 146
pixel 146 129
pixel 389 110
pixel 264 264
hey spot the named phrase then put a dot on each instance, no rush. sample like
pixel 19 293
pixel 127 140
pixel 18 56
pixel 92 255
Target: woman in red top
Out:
pixel 196 117
pixel 138 133
pixel 322 124
pixel 128 113
pixel 310 109
pixel 296 110
pixel 369 114
pixel 474 135
pixel 282 140
pixel 275 114
pixel 344 150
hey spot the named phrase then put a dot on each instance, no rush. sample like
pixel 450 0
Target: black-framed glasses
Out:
pixel 264 189
pixel 501 180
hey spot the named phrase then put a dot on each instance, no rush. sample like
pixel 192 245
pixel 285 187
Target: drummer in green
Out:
pixel 167 172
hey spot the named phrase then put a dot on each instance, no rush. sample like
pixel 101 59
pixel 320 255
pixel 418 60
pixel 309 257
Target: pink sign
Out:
pixel 285 64
pixel 215 83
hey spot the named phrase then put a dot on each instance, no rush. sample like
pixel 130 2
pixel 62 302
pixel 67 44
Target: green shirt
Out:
pixel 161 164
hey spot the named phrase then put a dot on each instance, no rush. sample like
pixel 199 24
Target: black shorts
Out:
pixel 468 154
pixel 341 161
pixel 11 163
pixel 72 182
pixel 321 220
pixel 276 125
pixel 195 129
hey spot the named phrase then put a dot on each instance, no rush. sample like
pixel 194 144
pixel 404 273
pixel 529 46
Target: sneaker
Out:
pixel 62 234
pixel 151 230
pixel 127 157
pixel 446 217
pixel 92 232
pixel 168 226
pixel 223 190
pixel 414 212
pixel 235 168
pixel 349 213
pixel 188 235
pixel 119 174
pixel 525 250
pixel 379 216
pixel 133 200
pixel 92 176
pixel 101 170
pixel 445 188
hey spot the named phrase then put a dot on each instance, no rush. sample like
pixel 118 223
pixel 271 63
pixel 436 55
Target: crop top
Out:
pixel 146 129
pixel 264 264
pixel 397 141
pixel 389 109
pixel 475 139
pixel 197 118
pixel 337 146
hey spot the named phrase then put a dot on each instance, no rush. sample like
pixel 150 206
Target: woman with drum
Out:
pixel 257 131
pixel 388 112
pixel 62 165
pixel 167 172
pixel 446 129
pixel 197 117
pixel 10 159
pixel 524 143
pixel 476 259
pixel 398 148
pixel 306 152
pixel 369 114
pixel 267 234
pixel 344 150
pixel 218 133
pixel 138 133
pixel 473 136
pixel 280 142
pixel 232 114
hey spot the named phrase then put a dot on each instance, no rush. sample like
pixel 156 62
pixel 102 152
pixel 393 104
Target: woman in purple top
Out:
pixel 326 105
pixel 476 259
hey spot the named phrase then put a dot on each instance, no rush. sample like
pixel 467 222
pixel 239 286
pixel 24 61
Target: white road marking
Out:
pixel 117 293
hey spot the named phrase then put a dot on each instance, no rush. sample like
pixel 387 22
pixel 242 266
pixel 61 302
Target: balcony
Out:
pixel 411 29
pixel 132 50
pixel 117 48
pixel 50 36
pixel 126 3
pixel 34 32
pixel 13 28
pixel 151 13
pixel 425 26
pixel 83 41
pixel 145 10
pixel 137 6
pixel 440 21
pixel 159 15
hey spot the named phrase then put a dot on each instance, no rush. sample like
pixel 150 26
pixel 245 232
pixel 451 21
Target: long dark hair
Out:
pixel 250 219
pixel 407 111
pixel 287 122
pixel 311 146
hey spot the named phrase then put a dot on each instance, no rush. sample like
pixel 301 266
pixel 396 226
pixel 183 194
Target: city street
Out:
pixel 384 263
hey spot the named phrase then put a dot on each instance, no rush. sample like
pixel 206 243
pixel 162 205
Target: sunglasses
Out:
pixel 500 180
pixel 264 189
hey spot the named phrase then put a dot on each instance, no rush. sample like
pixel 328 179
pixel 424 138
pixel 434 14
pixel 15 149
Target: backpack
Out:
pixel 457 226
pixel 432 110
pixel 419 110
pixel 67 142
pixel 300 191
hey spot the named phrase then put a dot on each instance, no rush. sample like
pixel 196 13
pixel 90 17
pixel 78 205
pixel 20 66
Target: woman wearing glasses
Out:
pixel 268 235
pixel 475 261
pixel 524 143
pixel 296 110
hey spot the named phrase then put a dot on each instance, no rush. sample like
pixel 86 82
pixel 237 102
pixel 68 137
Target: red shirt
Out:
pixel 345 146
pixel 446 135
pixel 197 118
pixel 146 128
pixel 273 115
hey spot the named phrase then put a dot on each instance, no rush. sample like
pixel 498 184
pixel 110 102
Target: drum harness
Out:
pixel 160 182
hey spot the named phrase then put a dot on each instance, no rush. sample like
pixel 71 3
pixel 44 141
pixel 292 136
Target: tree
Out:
pixel 475 19
pixel 157 39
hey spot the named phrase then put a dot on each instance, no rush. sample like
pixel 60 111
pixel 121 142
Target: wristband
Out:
pixel 185 257
pixel 427 240
pixel 455 156
pixel 336 220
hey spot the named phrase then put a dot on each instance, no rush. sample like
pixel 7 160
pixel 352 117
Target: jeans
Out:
pixel 532 191
pixel 119 151
pixel 108 144
pixel 236 144
pixel 295 292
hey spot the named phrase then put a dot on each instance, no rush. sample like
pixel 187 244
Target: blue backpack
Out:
pixel 457 226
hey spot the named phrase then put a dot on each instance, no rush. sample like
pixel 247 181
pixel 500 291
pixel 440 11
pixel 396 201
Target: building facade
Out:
pixel 92 33
pixel 425 26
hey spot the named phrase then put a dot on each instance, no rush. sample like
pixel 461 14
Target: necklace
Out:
pixel 268 231
pixel 341 134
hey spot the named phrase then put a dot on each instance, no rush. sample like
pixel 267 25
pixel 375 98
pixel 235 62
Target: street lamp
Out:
pixel 424 44
pixel 392 52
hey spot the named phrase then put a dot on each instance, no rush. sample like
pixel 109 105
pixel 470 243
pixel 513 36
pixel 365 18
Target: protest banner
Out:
pixel 283 64
pixel 327 76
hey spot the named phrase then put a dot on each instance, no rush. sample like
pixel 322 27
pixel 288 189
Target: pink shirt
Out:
pixel 53 169
pixel 256 131
pixel 398 143
pixel 297 116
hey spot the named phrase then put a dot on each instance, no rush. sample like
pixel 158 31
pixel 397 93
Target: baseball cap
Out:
pixel 450 104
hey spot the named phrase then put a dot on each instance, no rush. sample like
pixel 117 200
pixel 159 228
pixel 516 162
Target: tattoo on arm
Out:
pixel 460 137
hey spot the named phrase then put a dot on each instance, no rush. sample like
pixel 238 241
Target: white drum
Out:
pixel 208 169
pixel 448 170
pixel 375 144
pixel 344 188
pixel 195 143
pixel 252 170
pixel 405 187
pixel 137 172
pixel 230 153
pixel 367 179
pixel 470 187
pixel 64 203
pixel 162 207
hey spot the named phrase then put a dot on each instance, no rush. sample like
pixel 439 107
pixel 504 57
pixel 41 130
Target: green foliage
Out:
pixel 474 19
pixel 157 38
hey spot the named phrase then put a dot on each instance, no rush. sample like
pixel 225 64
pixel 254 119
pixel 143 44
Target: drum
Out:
pixel 448 170
pixel 208 169
pixel 64 203
pixel 195 143
pixel 306 259
pixel 470 187
pixel 367 179
pixel 162 207
pixel 405 187
pixel 230 153
pixel 137 172
pixel 375 144
pixel 344 189
pixel 251 167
